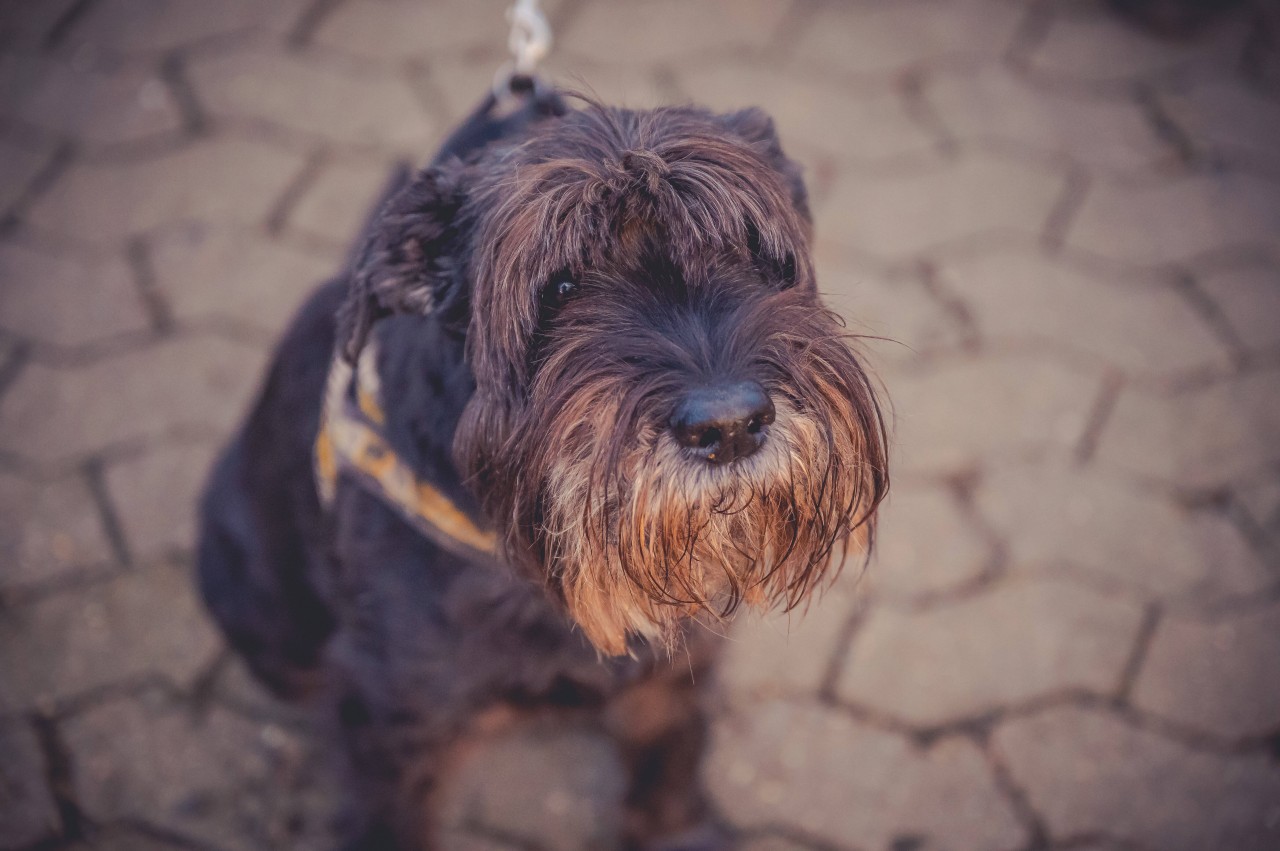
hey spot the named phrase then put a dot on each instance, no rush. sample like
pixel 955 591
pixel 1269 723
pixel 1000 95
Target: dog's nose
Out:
pixel 723 422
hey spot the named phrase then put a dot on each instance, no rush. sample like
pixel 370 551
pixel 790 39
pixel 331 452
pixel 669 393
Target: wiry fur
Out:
pixel 688 236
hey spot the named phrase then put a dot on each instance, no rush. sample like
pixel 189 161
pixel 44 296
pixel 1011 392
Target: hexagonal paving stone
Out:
pixel 1217 676
pixel 1198 438
pixel 194 383
pixel 1163 222
pixel 212 776
pixel 68 300
pixel 1143 328
pixel 994 109
pixel 1085 44
pixel 1227 119
pixel 893 216
pixel 887 38
pixel 790 652
pixel 964 410
pixel 235 274
pixel 27 23
pixel 865 128
pixel 664 30
pixel 1054 516
pixel 48 529
pixel 346 104
pixel 1087 772
pixel 924 545
pixel 555 788
pixel 1248 294
pixel 394 30
pixel 155 494
pixel 821 773
pixel 96 108
pixel 27 810
pixel 899 319
pixel 19 167
pixel 1023 640
pixel 219 179
pixel 339 200
pixel 158 26
pixel 143 622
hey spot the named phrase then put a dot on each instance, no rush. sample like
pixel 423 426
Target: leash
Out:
pixel 351 440
pixel 529 43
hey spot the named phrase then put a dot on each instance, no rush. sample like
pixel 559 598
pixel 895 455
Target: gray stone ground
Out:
pixel 1071 636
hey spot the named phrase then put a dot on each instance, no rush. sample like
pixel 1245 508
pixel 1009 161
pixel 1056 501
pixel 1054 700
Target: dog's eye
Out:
pixel 559 291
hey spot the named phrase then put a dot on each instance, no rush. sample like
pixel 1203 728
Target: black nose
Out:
pixel 723 422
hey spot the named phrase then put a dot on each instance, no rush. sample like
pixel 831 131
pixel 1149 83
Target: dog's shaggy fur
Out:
pixel 543 297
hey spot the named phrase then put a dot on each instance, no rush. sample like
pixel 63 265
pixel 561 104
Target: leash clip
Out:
pixel 529 42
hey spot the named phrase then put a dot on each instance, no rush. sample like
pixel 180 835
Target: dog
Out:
pixel 572 401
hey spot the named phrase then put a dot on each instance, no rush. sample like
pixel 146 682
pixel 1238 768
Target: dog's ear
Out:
pixel 409 259
pixel 756 127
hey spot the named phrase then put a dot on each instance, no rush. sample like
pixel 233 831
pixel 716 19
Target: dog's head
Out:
pixel 666 420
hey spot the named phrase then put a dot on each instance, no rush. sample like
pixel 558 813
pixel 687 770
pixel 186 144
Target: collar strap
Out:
pixel 350 441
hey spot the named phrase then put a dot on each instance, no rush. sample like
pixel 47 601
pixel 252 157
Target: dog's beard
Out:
pixel 637 537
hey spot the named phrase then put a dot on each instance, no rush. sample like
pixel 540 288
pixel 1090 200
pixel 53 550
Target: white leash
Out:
pixel 529 42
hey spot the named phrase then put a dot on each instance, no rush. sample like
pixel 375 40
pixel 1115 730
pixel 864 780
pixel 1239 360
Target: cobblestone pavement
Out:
pixel 1070 638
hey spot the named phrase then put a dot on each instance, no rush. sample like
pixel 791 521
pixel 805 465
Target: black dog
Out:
pixel 575 392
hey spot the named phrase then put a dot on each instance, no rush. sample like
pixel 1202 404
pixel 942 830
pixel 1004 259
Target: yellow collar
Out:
pixel 350 441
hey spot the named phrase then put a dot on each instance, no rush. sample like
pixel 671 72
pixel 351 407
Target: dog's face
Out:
pixel 666 419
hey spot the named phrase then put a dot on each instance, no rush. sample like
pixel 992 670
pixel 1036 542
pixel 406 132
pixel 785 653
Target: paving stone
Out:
pixel 142 622
pixel 995 110
pixel 898 318
pixel 48 529
pixel 772 843
pixel 1261 500
pixel 235 274
pixel 27 809
pixel 654 31
pixel 1145 329
pixel 1086 772
pixel 212 775
pixel 125 839
pixel 67 300
pixel 19 168
pixel 560 788
pixel 216 179
pixel 888 38
pixel 1223 117
pixel 816 770
pixel 1054 516
pixel 924 545
pixel 943 204
pixel 192 383
pixel 337 203
pixel 158 26
pixel 1210 676
pixel 1023 640
pixel 303 93
pixel 1085 44
pixel 405 29
pixel 790 652
pixel 28 23
pixel 960 412
pixel 868 129
pixel 1168 221
pixel 1249 296
pixel 96 108
pixel 1199 438
pixel 155 494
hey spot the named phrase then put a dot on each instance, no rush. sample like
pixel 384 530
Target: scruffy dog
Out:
pixel 574 399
